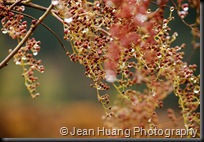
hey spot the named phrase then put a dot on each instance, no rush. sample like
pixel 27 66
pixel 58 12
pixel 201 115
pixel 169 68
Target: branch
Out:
pixel 29 16
pixel 29 4
pixel 14 4
pixel 102 30
pixel 32 28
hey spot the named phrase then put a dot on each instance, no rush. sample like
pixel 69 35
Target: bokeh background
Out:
pixel 66 97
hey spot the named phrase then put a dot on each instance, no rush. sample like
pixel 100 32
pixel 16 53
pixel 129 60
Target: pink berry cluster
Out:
pixel 24 58
pixel 12 23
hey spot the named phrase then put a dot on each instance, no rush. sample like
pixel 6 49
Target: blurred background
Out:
pixel 66 96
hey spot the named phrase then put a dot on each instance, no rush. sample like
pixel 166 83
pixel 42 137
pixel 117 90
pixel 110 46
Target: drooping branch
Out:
pixel 32 28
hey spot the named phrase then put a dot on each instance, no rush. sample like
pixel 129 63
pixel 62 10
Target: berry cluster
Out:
pixel 13 24
pixel 29 64
pixel 127 44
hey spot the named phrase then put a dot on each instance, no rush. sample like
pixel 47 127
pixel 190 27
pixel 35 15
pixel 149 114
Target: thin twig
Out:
pixel 35 6
pixel 29 4
pixel 100 29
pixel 14 4
pixel 49 29
pixel 57 17
pixel 32 28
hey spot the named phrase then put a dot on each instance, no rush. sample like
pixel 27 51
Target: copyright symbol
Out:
pixel 64 131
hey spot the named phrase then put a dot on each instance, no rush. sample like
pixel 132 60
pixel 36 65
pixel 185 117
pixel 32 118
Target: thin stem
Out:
pixel 177 7
pixel 155 3
pixel 100 29
pixel 32 28
pixel 35 6
pixel 100 100
pixel 189 25
pixel 120 91
pixel 72 45
pixel 29 16
pixel 14 4
pixel 141 58
pixel 29 4
pixel 57 17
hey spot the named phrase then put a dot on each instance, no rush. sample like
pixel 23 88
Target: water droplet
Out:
pixel 196 90
pixel 22 8
pixel 23 58
pixel 85 30
pixel 68 20
pixel 132 50
pixel 4 31
pixel 193 79
pixel 175 33
pixel 35 53
pixel 55 2
pixel 159 56
pixel 149 11
pixel 182 14
pixel 11 28
pixel 185 6
pixel 78 3
pixel 10 50
pixel 33 67
pixel 172 9
pixel 149 120
pixel 168 37
pixel 185 9
pixel 99 87
pixel 184 66
pixel 129 65
pixel 18 63
pixel 141 17
pixel 153 94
